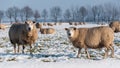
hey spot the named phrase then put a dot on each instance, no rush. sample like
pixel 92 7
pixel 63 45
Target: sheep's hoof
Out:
pixel 88 57
pixel 78 56
pixel 112 56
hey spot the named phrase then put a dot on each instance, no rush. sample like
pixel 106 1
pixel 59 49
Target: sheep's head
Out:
pixel 70 32
pixel 117 29
pixel 29 25
pixel 38 25
pixel 115 25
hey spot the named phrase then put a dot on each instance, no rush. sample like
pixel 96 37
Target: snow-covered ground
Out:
pixel 55 51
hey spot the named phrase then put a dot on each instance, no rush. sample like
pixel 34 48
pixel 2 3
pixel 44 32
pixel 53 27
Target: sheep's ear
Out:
pixel 74 28
pixel 34 22
pixel 25 22
pixel 66 28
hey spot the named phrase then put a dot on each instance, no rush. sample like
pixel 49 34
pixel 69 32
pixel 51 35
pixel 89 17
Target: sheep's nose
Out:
pixel 69 34
pixel 29 29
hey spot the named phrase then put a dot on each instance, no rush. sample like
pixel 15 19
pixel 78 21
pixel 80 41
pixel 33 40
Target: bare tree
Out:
pixel 1 15
pixel 22 15
pixel 28 12
pixel 73 13
pixel 119 13
pixel 115 13
pixel 56 13
pixel 36 15
pixel 15 11
pixel 9 14
pixel 95 9
pixel 67 15
pixel 44 14
pixel 77 16
pixel 83 13
pixel 111 12
pixel 100 13
pixel 107 12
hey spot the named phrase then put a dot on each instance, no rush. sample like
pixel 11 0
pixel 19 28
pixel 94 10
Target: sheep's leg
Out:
pixel 23 49
pixel 106 53
pixel 30 49
pixel 14 48
pixel 18 49
pixel 88 55
pixel 79 51
pixel 112 50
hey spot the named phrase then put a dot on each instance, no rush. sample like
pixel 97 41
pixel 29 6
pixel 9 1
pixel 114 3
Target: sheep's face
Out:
pixel 119 28
pixel 70 32
pixel 29 25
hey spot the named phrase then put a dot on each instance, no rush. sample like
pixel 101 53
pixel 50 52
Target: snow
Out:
pixel 75 63
pixel 55 51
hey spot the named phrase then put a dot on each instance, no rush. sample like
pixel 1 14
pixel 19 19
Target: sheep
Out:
pixel 44 24
pixel 75 23
pixel 57 23
pixel 49 24
pixel 82 23
pixel 3 26
pixel 101 23
pixel 96 37
pixel 23 34
pixel 115 25
pixel 47 31
pixel 70 23
pixel 39 25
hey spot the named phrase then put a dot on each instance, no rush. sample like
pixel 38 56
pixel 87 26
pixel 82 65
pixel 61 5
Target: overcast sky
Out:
pixel 41 4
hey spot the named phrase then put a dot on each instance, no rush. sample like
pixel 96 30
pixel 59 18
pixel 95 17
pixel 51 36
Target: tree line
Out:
pixel 96 13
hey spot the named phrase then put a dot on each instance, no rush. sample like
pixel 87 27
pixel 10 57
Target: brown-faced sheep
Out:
pixel 75 23
pixel 58 23
pixel 49 24
pixel 115 25
pixel 23 34
pixel 96 37
pixel 70 23
pixel 47 31
pixel 38 25
pixel 82 23
pixel 55 23
pixel 2 26
pixel 44 24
